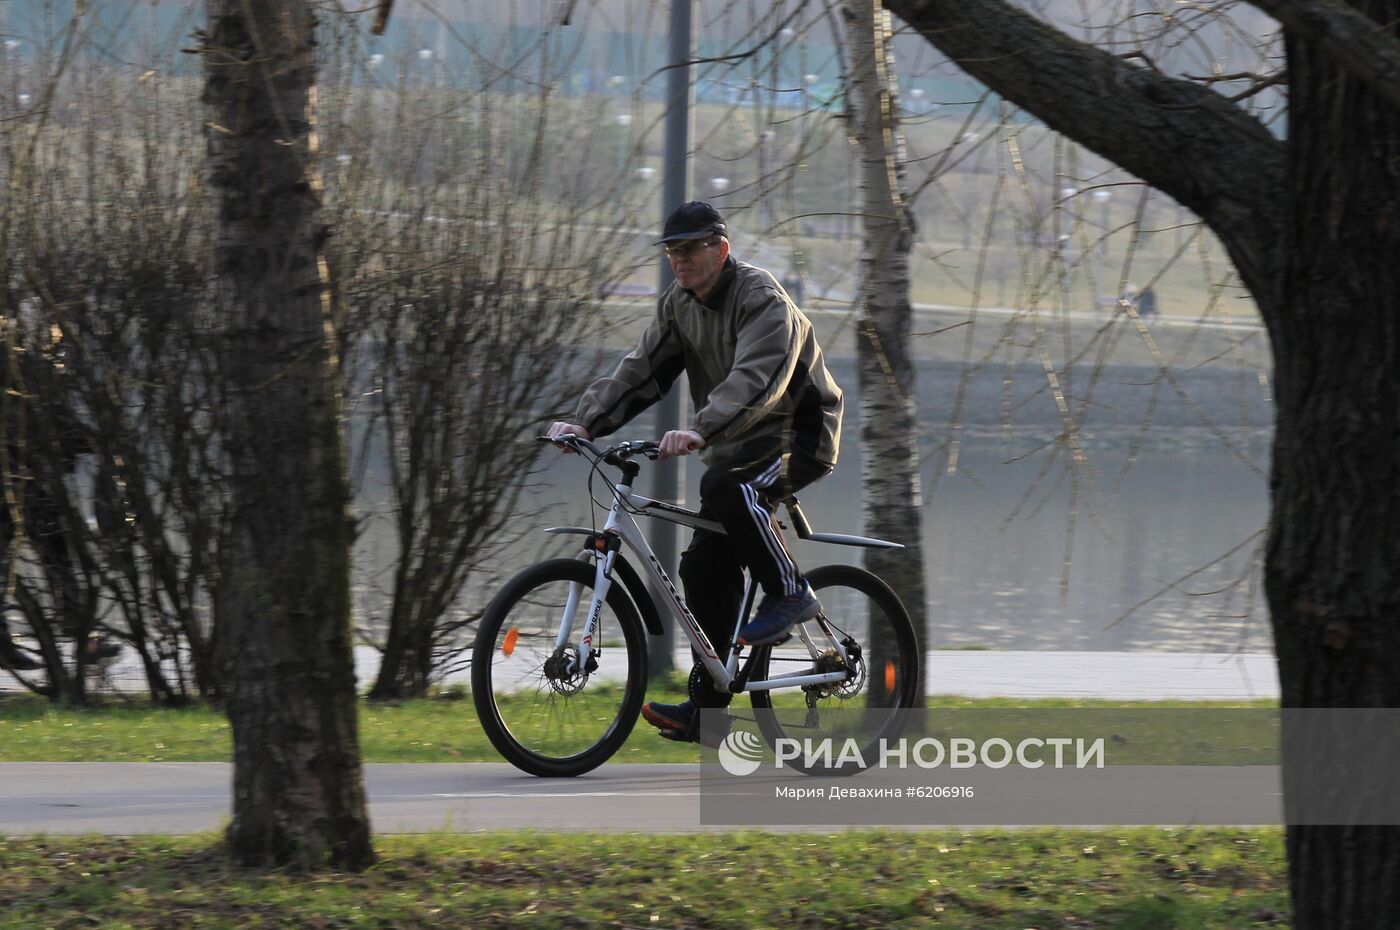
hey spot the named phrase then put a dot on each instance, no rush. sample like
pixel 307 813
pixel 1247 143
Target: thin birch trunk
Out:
pixel 889 437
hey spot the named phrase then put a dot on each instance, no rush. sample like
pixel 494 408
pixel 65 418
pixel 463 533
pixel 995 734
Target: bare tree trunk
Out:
pixel 1312 224
pixel 1335 529
pixel 298 793
pixel 889 437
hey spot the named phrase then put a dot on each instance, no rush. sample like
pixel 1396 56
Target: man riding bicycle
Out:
pixel 767 423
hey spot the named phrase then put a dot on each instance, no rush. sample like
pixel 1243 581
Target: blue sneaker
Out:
pixel 777 616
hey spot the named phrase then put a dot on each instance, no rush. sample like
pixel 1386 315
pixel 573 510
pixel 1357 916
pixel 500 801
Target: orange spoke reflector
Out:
pixel 508 644
pixel 889 676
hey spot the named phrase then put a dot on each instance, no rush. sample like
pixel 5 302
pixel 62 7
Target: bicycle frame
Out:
pixel 621 530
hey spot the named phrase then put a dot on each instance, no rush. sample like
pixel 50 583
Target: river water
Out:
pixel 1151 543
pixel 1120 577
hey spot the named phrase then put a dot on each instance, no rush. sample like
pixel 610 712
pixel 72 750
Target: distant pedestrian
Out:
pixel 1147 303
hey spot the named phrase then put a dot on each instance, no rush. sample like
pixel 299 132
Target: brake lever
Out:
pixel 568 441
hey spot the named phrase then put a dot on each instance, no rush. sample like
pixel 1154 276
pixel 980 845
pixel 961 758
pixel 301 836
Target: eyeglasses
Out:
pixel 687 249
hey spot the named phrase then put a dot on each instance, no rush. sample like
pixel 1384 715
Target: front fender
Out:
pixel 631 581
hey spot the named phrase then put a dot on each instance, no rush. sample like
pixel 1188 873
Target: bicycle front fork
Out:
pixel 602 581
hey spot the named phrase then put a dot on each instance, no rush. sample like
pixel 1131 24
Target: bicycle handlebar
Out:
pixel 613 455
pixel 573 441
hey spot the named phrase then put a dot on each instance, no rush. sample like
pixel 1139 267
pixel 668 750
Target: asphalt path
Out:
pixel 1031 674
pixel 175 798
pixel 192 797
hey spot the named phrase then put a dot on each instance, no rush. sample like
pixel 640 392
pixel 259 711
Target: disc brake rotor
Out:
pixel 831 661
pixel 557 670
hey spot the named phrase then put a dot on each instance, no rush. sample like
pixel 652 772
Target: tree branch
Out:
pixel 381 17
pixel 1359 45
pixel 1181 138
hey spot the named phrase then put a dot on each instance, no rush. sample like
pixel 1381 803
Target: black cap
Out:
pixel 694 220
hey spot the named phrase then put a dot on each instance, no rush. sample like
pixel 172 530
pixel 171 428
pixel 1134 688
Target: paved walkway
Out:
pixel 122 798
pixel 1125 676
pixel 1129 676
pixel 193 797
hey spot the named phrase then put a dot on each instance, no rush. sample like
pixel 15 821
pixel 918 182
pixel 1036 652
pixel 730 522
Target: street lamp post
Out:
pixel 667 475
pixel 969 189
pixel 623 121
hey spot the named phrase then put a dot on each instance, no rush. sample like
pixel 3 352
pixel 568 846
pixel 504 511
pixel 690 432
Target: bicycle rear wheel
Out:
pixel 882 665
pixel 541 712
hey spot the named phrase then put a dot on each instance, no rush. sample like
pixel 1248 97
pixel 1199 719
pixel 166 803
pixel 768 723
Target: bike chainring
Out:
pixel 700 688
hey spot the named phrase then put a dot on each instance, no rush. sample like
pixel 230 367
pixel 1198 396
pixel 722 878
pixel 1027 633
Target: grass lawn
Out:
pixel 443 729
pixel 1126 879
pixel 1139 879
pixel 430 730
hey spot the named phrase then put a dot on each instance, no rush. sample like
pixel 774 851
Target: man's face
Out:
pixel 697 263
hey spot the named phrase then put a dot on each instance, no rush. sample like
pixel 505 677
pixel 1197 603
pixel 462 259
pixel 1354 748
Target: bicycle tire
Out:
pixel 539 721
pixel 858 603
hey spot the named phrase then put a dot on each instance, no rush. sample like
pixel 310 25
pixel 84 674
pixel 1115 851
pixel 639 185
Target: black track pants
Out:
pixel 743 496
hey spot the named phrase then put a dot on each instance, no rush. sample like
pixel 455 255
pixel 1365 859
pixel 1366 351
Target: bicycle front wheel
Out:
pixel 863 632
pixel 546 707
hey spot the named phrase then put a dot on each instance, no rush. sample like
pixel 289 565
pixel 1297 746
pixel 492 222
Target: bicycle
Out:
pixel 558 692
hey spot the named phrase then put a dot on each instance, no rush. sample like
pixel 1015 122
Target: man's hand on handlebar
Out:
pixel 560 428
pixel 680 442
pixel 562 434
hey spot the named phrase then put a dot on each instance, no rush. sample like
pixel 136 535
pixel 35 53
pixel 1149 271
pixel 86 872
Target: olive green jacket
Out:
pixel 756 371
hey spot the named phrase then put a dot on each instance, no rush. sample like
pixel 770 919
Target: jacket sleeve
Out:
pixel 639 380
pixel 765 357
